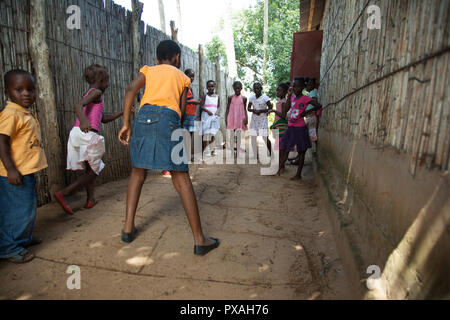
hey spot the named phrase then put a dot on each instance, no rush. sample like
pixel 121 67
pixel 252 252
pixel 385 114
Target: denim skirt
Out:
pixel 189 122
pixel 157 140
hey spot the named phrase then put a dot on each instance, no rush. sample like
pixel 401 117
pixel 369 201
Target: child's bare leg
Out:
pixel 137 179
pixel 301 161
pixel 183 185
pixel 211 143
pixel 83 181
pixel 90 187
pixel 283 158
pixel 269 145
pixel 254 142
pixel 317 133
pixel 192 146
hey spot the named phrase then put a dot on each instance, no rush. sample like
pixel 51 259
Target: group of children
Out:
pixel 167 105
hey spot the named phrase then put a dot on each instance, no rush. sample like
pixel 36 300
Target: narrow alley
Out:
pixel 275 243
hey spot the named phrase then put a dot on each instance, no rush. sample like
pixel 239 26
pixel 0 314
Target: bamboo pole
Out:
pixel 266 31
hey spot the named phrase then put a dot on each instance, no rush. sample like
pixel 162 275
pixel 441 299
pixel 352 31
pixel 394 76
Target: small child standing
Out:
pixel 86 146
pixel 259 105
pixel 236 118
pixel 21 156
pixel 297 133
pixel 151 145
pixel 313 124
pixel 280 122
pixel 210 105
pixel 191 111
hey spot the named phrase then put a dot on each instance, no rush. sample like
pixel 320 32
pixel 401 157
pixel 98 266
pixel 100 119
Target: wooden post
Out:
pixel 46 101
pixel 180 25
pixel 174 31
pixel 229 41
pixel 136 22
pixel 218 78
pixel 266 30
pixel 162 17
pixel 220 93
pixel 200 71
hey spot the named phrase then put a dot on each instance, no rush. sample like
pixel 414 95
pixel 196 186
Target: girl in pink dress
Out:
pixel 236 118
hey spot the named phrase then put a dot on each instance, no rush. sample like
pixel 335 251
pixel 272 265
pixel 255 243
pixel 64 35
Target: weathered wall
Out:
pixel 105 38
pixel 384 142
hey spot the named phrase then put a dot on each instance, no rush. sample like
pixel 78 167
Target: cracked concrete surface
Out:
pixel 275 243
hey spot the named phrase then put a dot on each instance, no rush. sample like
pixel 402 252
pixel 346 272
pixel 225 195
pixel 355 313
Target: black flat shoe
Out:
pixel 202 250
pixel 129 237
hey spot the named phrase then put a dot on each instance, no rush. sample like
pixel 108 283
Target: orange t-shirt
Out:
pixel 164 85
pixel 24 131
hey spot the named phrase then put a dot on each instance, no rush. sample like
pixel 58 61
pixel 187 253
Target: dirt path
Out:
pixel 275 244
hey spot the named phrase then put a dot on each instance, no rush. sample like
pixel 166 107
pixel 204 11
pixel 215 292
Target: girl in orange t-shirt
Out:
pixel 151 146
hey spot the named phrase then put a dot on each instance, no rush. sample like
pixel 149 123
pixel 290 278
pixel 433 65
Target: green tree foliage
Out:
pixel 216 49
pixel 248 28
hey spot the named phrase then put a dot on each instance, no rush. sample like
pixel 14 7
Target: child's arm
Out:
pixel 93 96
pixel 130 95
pixel 183 103
pixel 245 110
pixel 228 110
pixel 316 105
pixel 202 103
pixel 278 113
pixel 270 107
pixel 287 105
pixel 111 117
pixel 14 176
pixel 250 109
pixel 193 101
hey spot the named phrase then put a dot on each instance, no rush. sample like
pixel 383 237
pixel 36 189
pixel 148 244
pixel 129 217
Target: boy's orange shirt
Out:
pixel 164 85
pixel 22 126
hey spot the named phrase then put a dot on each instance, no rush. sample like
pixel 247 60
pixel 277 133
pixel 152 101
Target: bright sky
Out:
pixel 200 18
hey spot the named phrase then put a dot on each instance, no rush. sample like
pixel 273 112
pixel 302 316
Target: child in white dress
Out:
pixel 259 105
pixel 209 107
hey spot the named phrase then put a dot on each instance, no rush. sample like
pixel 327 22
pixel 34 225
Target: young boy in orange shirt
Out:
pixel 21 156
pixel 163 107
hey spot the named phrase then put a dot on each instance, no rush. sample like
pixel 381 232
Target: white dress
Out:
pixel 259 124
pixel 210 124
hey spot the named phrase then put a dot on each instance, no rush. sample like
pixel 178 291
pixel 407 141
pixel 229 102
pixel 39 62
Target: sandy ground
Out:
pixel 275 243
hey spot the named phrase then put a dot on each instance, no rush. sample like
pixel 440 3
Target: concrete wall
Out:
pixel 384 144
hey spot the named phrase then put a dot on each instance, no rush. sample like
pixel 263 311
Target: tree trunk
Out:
pixel 266 27
pixel 46 101
pixel 180 26
pixel 174 31
pixel 229 41
pixel 136 22
pixel 162 17
pixel 200 71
